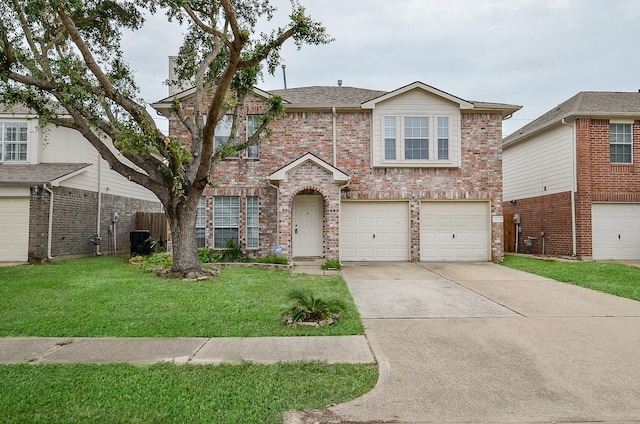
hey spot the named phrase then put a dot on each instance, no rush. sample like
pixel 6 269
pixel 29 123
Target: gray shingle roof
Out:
pixel 327 95
pixel 37 174
pixel 583 104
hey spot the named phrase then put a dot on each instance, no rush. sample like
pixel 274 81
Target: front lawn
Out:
pixel 166 393
pixel 107 297
pixel 608 277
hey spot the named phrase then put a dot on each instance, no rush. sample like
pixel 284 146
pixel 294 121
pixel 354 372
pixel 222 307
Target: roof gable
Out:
pixel 281 174
pixel 421 86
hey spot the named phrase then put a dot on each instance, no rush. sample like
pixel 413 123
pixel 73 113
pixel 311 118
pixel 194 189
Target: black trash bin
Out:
pixel 140 243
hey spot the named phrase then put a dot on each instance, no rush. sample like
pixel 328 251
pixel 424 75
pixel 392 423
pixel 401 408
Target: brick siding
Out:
pixel 74 222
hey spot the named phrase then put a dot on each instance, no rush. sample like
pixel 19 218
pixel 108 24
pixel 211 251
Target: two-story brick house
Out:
pixel 573 177
pixel 361 175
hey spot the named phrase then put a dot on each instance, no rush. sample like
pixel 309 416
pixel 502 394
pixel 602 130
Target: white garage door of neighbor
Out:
pixel 454 231
pixel 14 229
pixel 374 231
pixel 615 231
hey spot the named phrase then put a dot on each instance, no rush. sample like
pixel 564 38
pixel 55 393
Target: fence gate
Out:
pixel 509 233
pixel 156 223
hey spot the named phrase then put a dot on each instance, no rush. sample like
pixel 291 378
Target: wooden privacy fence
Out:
pixel 156 223
pixel 509 233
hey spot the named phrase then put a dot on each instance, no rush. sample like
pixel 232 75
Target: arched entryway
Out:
pixel 307 235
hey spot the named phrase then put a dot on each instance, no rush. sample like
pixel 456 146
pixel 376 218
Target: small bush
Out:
pixel 152 262
pixel 331 264
pixel 206 255
pixel 232 252
pixel 306 307
pixel 273 259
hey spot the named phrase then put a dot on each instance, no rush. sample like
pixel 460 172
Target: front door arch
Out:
pixel 307 229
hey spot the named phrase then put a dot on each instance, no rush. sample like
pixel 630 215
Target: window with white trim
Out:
pixel 443 137
pixel 13 142
pixel 252 222
pixel 253 123
pixel 389 137
pixel 621 143
pixel 418 141
pixel 223 132
pixel 201 222
pixel 226 220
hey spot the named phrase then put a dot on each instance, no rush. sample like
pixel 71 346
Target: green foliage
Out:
pixel 608 277
pixel 273 259
pixel 307 307
pixel 331 264
pixel 153 262
pixel 166 393
pixel 205 255
pixel 232 252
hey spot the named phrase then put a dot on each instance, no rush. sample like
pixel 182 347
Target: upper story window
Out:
pixel 13 142
pixel 416 141
pixel 253 123
pixel 621 143
pixel 223 132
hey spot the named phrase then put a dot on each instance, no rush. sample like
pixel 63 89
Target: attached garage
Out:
pixel 374 231
pixel 455 231
pixel 14 229
pixel 615 231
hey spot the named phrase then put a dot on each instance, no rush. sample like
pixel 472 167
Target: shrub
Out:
pixel 331 264
pixel 152 262
pixel 273 259
pixel 305 307
pixel 205 255
pixel 232 252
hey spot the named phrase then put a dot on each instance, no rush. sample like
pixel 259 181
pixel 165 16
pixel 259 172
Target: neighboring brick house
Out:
pixel 361 175
pixel 573 176
pixel 56 193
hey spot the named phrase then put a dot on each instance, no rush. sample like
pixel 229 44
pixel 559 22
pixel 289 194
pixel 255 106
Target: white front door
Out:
pixel 307 225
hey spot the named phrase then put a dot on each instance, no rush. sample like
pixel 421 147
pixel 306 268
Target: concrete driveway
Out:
pixel 482 343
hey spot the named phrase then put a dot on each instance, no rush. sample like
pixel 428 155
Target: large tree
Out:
pixel 64 59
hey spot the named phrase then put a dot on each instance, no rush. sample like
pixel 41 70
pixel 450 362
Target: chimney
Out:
pixel 339 83
pixel 176 86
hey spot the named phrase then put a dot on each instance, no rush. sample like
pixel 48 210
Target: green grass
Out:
pixel 608 277
pixel 165 393
pixel 107 297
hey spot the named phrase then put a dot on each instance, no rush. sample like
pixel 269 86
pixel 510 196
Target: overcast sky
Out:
pixel 533 53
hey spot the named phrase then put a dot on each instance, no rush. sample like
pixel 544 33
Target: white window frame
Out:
pixel 437 137
pixel 201 222
pixel 618 138
pixel 226 219
pixel 20 145
pixel 223 132
pixel 253 123
pixel 253 222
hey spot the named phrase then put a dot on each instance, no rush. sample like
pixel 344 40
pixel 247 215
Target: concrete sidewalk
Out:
pixel 264 350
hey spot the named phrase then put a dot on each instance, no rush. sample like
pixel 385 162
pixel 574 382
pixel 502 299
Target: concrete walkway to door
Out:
pixel 482 343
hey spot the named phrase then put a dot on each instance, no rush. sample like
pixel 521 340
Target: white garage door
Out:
pixel 454 231
pixel 374 231
pixel 615 230
pixel 14 229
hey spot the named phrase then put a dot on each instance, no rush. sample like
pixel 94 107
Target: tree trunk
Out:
pixel 182 221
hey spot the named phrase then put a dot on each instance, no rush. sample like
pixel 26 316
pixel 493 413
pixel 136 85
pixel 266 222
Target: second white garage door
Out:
pixel 615 231
pixel 374 231
pixel 454 231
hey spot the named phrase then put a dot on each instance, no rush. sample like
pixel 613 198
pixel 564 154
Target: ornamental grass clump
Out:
pixel 308 310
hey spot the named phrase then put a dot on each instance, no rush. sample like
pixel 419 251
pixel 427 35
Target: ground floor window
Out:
pixel 201 223
pixel 226 221
pixel 252 222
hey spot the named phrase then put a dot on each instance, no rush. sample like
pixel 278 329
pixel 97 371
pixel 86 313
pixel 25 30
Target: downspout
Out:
pixel 574 187
pixel 335 153
pixel 50 229
pixel 99 214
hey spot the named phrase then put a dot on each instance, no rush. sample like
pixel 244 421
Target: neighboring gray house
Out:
pixel 573 177
pixel 57 194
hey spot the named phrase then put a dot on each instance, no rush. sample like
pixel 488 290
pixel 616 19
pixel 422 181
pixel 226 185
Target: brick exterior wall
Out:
pixel 598 180
pixel 74 222
pixel 297 133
